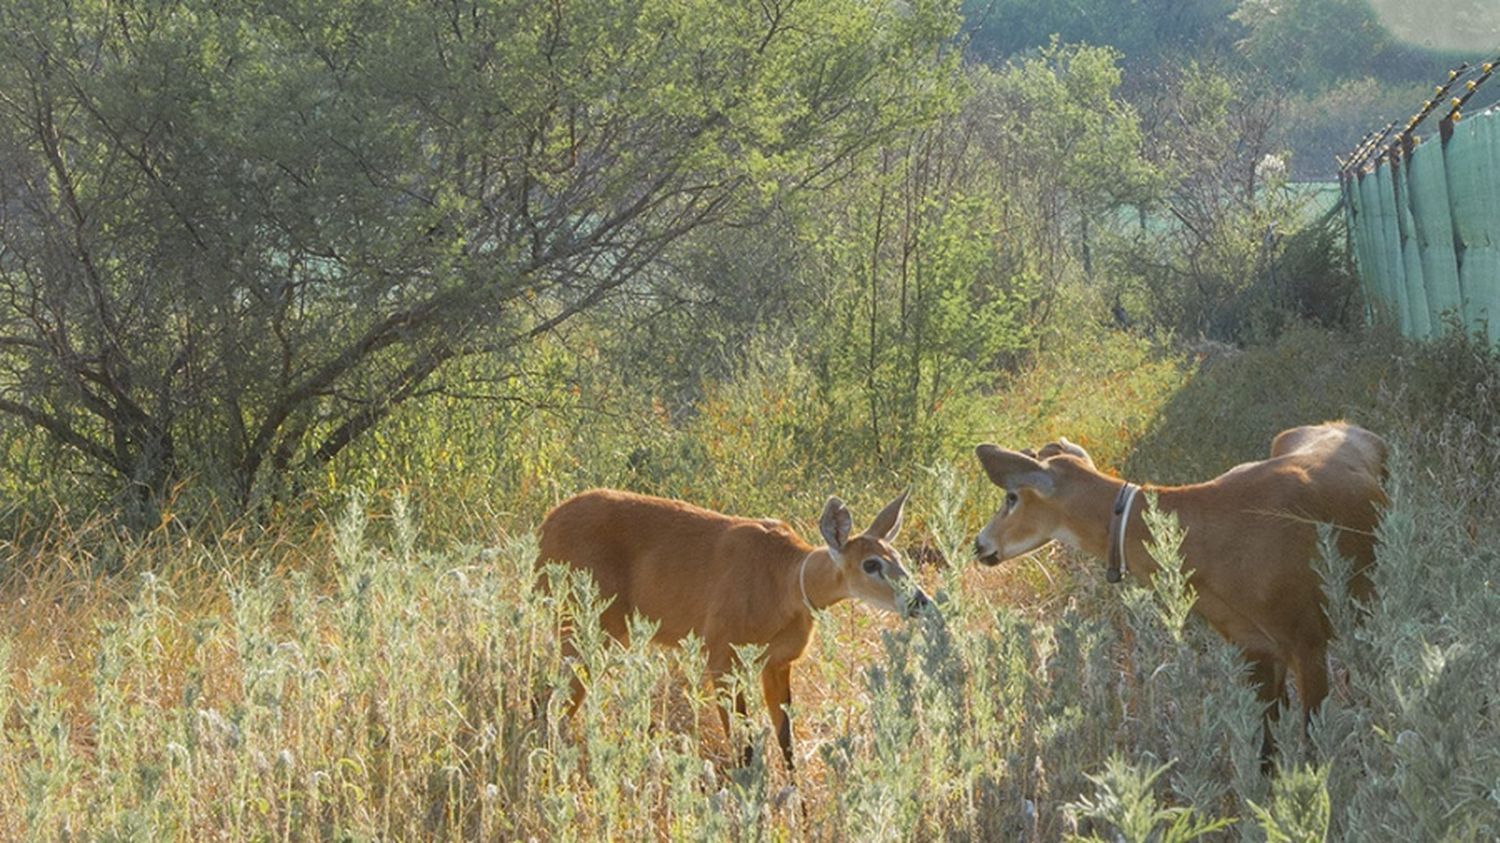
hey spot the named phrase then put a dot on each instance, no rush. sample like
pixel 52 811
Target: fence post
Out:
pixel 1424 219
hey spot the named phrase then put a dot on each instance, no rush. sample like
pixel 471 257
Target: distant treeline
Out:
pixel 1333 68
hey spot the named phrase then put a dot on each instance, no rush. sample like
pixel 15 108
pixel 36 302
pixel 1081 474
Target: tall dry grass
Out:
pixel 387 668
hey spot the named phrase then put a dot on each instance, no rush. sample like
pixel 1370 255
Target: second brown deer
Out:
pixel 1250 536
pixel 728 580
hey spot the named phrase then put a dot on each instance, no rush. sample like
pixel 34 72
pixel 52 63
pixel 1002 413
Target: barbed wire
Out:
pixel 1467 78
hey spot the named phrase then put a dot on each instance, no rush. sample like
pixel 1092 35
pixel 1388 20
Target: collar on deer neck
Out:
pixel 1117 521
pixel 802 584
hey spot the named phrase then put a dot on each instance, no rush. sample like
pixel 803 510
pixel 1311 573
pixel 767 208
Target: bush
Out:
pixel 421 694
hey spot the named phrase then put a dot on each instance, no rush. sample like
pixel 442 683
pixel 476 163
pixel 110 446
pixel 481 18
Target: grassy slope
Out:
pixel 345 679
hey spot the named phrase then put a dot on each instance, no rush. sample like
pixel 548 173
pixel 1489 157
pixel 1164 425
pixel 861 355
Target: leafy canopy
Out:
pixel 236 235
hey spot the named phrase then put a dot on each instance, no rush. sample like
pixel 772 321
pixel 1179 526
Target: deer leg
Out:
pixel 776 682
pixel 718 668
pixel 1268 674
pixel 613 622
pixel 1310 667
pixel 739 709
pixel 570 653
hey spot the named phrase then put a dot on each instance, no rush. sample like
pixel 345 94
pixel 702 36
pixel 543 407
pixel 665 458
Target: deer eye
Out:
pixel 1011 499
pixel 872 566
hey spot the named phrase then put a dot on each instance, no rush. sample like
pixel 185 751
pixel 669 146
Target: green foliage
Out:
pixel 1291 38
pixel 944 264
pixel 236 237
pixel 1299 811
pixel 1313 278
pixel 1126 801
pixel 923 305
pixel 1203 259
pixel 1174 594
pixel 1324 126
pixel 1336 64
pixel 1238 400
pixel 1063 107
pixel 652 230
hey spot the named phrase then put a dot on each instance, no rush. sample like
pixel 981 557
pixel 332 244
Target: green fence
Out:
pixel 1424 218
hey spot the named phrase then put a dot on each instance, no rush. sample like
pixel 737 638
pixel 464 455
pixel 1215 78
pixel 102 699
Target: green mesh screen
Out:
pixel 1425 232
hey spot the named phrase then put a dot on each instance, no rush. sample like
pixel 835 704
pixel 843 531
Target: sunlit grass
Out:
pixel 387 668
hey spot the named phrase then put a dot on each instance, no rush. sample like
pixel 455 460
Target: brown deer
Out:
pixel 1249 536
pixel 730 581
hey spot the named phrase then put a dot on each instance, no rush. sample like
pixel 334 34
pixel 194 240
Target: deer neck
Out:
pixel 1095 529
pixel 817 581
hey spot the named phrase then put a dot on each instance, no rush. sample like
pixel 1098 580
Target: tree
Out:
pixel 1312 44
pixel 947 254
pixel 234 236
pixel 1201 262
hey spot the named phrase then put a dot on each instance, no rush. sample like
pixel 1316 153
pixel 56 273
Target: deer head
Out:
pixel 868 567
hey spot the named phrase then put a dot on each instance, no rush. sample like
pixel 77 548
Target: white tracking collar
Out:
pixel 802 582
pixel 1118 521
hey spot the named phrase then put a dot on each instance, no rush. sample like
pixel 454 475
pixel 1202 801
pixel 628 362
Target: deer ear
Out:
pixel 1063 446
pixel 1075 449
pixel 836 524
pixel 888 523
pixel 1014 470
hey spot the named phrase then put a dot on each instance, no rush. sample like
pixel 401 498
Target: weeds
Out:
pixel 396 685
